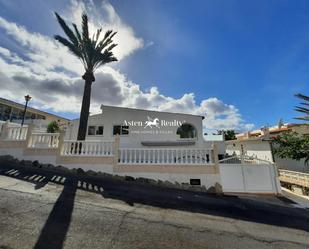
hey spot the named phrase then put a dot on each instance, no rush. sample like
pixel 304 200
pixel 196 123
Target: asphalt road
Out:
pixel 47 210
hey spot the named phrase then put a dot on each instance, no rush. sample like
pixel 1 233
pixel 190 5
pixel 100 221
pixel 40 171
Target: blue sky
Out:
pixel 237 62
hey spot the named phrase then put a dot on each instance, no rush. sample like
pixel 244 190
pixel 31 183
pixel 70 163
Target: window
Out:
pixel 186 131
pixel 95 130
pixel 120 130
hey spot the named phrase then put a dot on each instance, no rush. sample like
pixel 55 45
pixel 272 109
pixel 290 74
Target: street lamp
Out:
pixel 27 98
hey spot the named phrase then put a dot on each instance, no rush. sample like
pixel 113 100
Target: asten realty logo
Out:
pixel 153 123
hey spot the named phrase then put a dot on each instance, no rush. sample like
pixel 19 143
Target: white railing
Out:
pixel 294 177
pixel 88 148
pixel 44 140
pixel 165 156
pixel 16 132
pixel 243 160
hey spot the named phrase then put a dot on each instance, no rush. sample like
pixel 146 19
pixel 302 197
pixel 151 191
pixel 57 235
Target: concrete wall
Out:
pixel 211 137
pixel 207 180
pixel 256 148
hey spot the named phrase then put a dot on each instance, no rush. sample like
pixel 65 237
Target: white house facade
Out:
pixel 162 146
pixel 143 128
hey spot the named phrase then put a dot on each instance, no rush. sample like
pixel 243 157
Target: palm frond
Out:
pixel 96 37
pixel 77 33
pixel 85 27
pixel 302 109
pixel 92 52
pixel 106 40
pixel 301 96
pixel 111 47
pixel 306 118
pixel 68 44
pixel 66 29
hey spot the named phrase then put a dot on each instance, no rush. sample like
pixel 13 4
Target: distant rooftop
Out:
pixel 273 130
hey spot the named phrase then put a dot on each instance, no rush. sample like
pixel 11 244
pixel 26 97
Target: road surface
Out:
pixel 47 210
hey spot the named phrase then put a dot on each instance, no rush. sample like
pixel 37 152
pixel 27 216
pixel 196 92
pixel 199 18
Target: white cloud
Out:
pixel 43 53
pixel 51 75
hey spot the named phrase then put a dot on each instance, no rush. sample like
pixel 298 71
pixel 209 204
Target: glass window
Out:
pixel 117 129
pixel 91 130
pixel 120 130
pixel 95 130
pixel 186 131
pixel 99 130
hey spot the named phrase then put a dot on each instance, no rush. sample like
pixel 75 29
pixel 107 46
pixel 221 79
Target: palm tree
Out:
pixel 301 108
pixel 93 53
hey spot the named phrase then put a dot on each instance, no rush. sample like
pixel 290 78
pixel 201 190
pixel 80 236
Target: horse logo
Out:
pixel 152 122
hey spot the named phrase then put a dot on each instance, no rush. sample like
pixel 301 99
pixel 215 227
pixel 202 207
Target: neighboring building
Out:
pixel 142 128
pixel 275 130
pixel 10 110
pixel 258 144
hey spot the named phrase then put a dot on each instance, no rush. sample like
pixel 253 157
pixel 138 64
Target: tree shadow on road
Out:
pixel 134 193
pixel 54 232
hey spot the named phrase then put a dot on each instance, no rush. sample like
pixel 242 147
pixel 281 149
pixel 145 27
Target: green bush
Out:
pixel 53 127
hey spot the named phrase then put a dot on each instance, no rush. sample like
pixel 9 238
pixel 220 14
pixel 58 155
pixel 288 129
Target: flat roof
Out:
pixel 10 102
pixel 138 109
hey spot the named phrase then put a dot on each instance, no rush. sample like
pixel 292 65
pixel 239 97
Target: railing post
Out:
pixel 215 156
pixel 215 153
pixel 4 132
pixel 116 149
pixel 29 134
pixel 242 158
pixel 60 142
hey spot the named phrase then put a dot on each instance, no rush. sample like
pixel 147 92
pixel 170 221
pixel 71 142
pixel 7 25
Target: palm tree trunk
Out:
pixel 84 113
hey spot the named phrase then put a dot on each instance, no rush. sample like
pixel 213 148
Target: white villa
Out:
pixel 139 128
pixel 156 145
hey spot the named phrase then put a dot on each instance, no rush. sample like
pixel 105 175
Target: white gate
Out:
pixel 249 175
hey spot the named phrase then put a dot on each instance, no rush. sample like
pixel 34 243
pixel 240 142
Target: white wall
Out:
pixel 256 148
pixel 211 137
